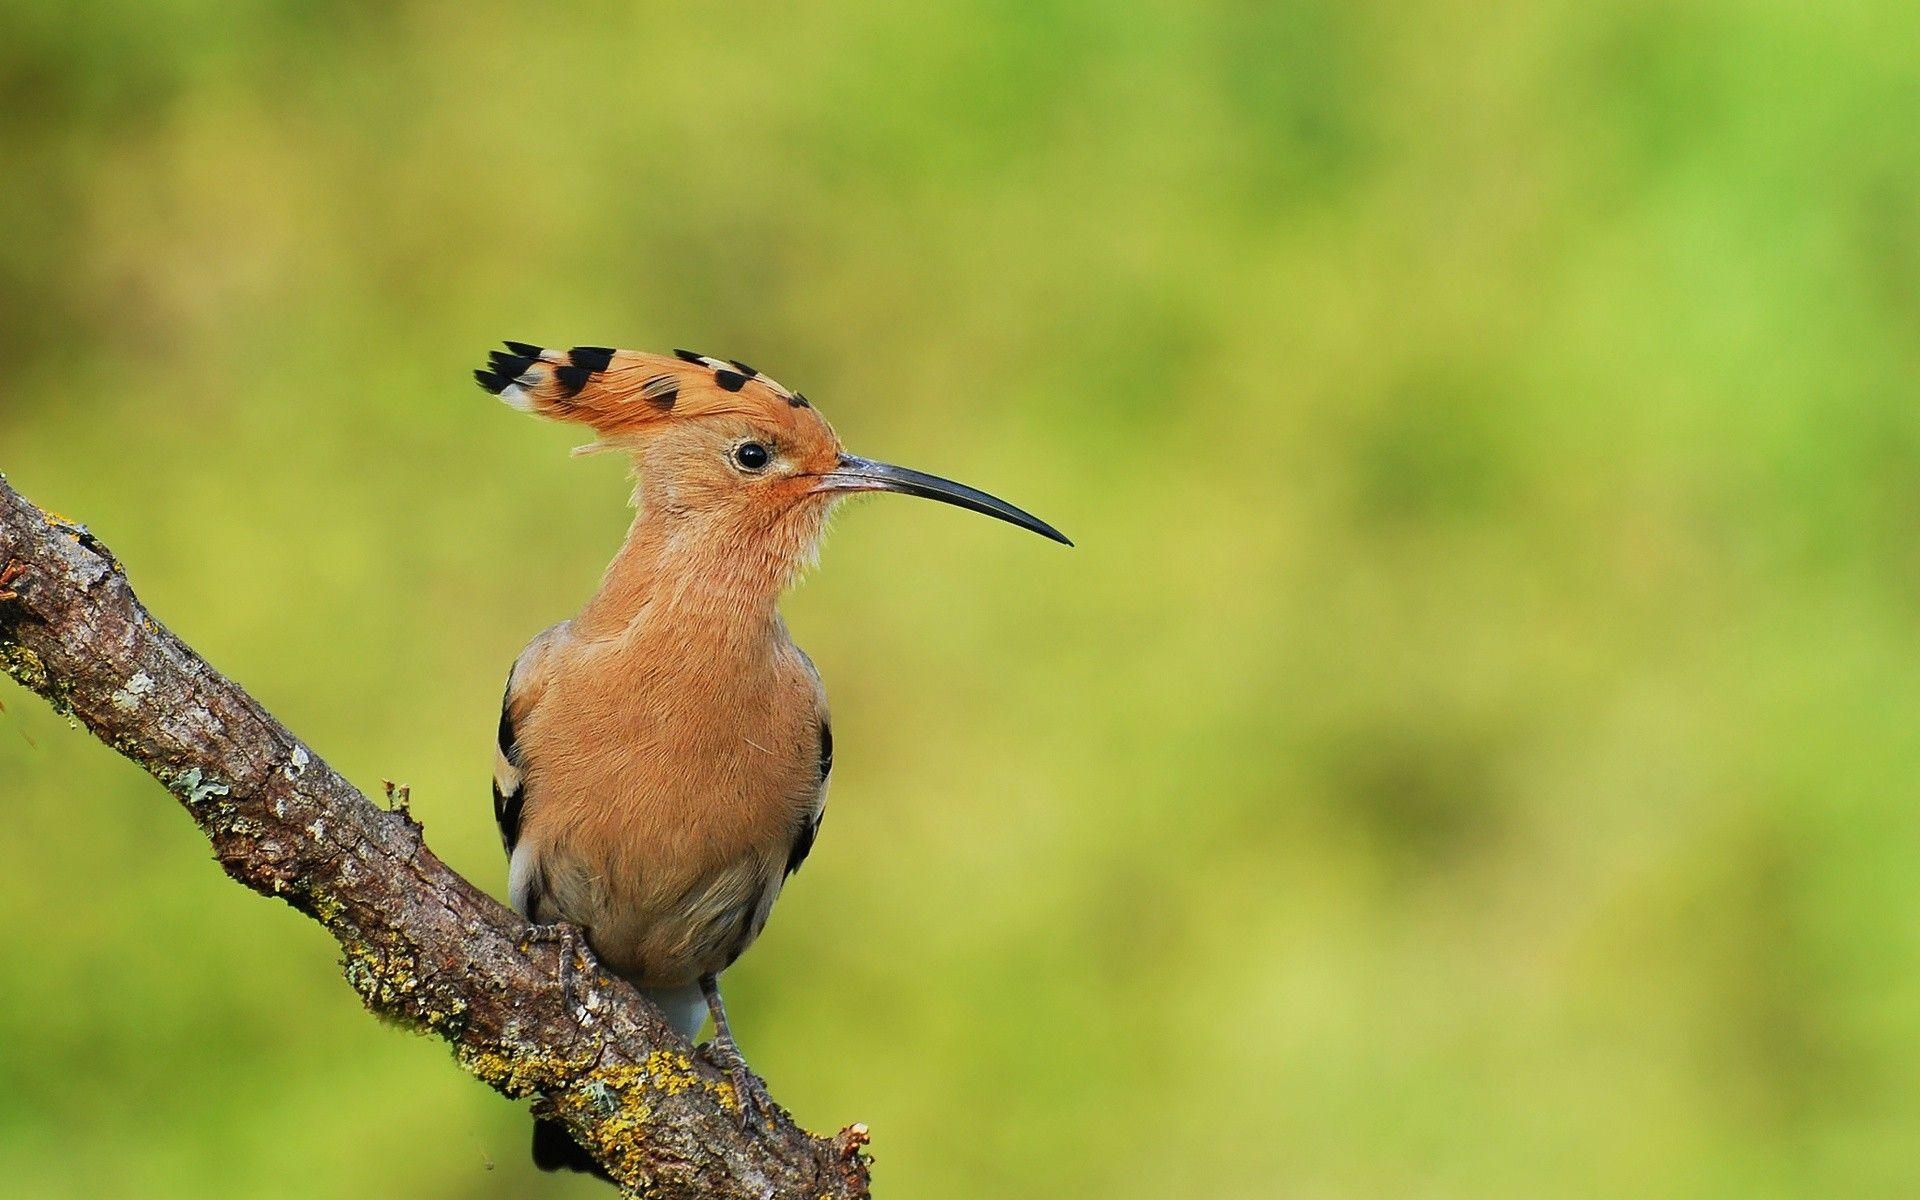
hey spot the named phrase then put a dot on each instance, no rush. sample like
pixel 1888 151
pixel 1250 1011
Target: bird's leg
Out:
pixel 755 1104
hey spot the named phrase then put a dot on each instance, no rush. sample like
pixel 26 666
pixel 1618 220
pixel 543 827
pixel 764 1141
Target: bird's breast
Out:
pixel 662 802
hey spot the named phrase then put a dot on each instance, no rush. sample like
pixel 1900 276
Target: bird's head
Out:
pixel 716 442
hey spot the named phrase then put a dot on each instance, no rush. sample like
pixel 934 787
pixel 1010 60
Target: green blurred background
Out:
pixel 1470 754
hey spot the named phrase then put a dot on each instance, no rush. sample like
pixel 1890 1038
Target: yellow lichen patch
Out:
pixel 391 986
pixel 451 1017
pixel 517 1073
pixel 25 666
pixel 621 1128
pixel 616 1098
pixel 671 1071
pixel 381 979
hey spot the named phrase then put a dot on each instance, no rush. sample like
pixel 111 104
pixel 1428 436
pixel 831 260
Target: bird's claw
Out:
pixel 566 935
pixel 756 1106
pixel 757 1110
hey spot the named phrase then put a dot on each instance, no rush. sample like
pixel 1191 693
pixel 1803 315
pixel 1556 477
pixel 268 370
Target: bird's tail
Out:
pixel 555 1150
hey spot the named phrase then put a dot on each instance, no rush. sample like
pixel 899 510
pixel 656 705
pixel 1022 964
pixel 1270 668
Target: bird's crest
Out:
pixel 624 392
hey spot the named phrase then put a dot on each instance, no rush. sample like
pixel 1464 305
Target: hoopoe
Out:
pixel 663 756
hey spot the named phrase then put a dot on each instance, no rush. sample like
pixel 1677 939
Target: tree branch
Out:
pixel 421 945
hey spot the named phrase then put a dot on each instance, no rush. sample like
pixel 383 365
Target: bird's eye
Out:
pixel 750 456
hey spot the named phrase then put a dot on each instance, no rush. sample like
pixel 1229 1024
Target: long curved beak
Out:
pixel 865 475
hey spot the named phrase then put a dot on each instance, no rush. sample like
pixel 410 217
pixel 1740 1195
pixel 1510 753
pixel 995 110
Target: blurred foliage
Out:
pixel 1470 754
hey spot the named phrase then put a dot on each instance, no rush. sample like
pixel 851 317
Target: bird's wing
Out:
pixel 817 804
pixel 525 683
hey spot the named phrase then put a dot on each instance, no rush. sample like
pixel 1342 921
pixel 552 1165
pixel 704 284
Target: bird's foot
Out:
pixel 573 946
pixel 756 1107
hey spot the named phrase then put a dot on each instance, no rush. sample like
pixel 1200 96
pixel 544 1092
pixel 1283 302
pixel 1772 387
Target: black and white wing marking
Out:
pixel 509 778
pixel 817 806
pixel 525 684
pixel 810 826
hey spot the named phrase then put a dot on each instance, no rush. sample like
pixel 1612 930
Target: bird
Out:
pixel 663 755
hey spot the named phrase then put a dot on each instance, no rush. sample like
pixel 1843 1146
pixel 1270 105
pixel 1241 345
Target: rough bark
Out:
pixel 421 945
